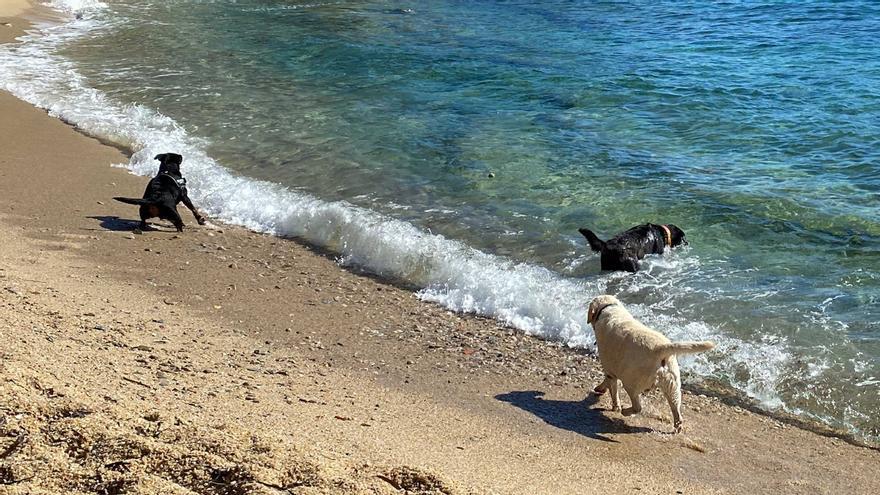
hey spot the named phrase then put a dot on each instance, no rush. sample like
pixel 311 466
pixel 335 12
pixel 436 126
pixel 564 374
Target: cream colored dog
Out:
pixel 637 356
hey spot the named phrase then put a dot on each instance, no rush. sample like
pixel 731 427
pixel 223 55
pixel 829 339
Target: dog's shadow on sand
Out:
pixel 577 416
pixel 117 224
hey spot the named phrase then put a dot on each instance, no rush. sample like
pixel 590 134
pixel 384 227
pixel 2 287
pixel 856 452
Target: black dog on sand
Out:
pixel 163 193
pixel 623 251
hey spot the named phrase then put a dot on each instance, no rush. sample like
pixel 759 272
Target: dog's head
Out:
pixel 677 235
pixel 597 304
pixel 169 163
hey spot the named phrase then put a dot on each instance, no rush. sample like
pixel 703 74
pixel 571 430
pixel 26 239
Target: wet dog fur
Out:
pixel 623 251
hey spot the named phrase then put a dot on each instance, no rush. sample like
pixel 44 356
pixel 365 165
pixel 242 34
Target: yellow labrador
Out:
pixel 637 356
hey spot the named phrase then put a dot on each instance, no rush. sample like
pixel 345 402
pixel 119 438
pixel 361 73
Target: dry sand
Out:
pixel 220 361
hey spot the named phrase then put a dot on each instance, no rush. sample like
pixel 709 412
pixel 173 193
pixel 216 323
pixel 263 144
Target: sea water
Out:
pixel 459 145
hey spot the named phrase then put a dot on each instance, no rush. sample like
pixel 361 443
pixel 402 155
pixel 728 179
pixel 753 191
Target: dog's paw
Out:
pixel 201 220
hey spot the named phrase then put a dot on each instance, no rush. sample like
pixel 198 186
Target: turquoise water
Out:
pixel 753 127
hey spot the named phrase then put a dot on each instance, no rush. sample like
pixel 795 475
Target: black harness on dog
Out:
pixel 179 182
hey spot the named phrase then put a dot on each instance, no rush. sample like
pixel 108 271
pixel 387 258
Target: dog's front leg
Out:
pixel 615 397
pixel 195 211
pixel 171 215
pixel 603 387
pixel 631 265
pixel 610 383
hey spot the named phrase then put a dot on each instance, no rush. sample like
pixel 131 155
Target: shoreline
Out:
pixel 342 330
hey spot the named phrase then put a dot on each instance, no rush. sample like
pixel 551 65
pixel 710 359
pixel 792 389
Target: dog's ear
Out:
pixel 591 311
pixel 596 244
pixel 174 158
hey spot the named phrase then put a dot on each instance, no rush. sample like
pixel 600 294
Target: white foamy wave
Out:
pixel 76 6
pixel 459 277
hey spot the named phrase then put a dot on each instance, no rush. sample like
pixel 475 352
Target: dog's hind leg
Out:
pixel 635 399
pixel 670 384
pixel 146 211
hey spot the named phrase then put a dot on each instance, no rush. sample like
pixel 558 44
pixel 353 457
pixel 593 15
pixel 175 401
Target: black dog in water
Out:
pixel 163 193
pixel 623 251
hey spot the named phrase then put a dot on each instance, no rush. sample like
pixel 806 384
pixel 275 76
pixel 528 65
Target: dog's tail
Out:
pixel 596 244
pixel 675 348
pixel 132 201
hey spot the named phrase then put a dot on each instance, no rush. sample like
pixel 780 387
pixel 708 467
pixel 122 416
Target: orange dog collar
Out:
pixel 668 235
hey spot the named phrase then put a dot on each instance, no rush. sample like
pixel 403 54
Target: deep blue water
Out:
pixel 753 127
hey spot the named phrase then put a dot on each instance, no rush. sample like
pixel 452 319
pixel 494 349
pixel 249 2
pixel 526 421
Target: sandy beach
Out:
pixel 219 360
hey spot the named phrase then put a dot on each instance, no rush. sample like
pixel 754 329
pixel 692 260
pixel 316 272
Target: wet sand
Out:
pixel 223 361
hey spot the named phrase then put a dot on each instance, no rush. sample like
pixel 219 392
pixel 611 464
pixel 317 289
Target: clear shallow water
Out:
pixel 371 127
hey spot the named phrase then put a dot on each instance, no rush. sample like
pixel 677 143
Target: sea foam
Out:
pixel 77 6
